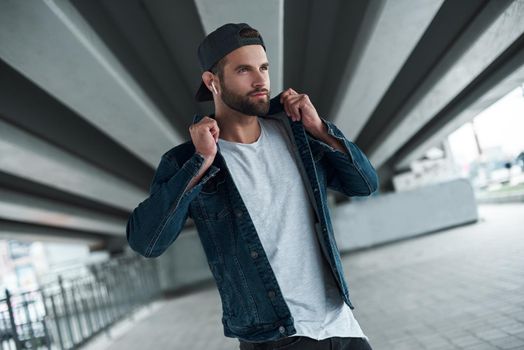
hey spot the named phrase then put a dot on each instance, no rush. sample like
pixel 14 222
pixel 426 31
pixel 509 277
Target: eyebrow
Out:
pixel 265 64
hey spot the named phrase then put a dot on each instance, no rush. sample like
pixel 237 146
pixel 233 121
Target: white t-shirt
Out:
pixel 267 177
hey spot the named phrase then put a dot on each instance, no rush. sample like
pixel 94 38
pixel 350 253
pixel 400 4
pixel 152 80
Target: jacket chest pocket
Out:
pixel 215 212
pixel 213 199
pixel 318 153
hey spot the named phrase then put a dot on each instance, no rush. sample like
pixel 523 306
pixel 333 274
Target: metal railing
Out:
pixel 67 313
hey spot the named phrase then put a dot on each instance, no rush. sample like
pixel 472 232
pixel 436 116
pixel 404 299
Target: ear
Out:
pixel 208 78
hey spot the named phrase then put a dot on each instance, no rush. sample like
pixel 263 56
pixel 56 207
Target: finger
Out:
pixel 295 109
pixel 207 120
pixel 214 133
pixel 284 94
pixel 290 97
pixel 214 128
pixel 295 106
pixel 289 110
pixel 289 101
pixel 286 106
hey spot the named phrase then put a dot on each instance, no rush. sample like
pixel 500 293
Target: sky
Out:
pixel 501 124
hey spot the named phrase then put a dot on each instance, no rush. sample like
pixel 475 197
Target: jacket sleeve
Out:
pixel 157 221
pixel 351 174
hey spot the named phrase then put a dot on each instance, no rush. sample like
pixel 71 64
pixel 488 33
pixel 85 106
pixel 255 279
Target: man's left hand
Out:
pixel 299 107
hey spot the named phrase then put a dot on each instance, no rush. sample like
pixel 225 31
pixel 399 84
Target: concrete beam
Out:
pixel 28 157
pixel 394 35
pixel 15 206
pixel 479 46
pixel 156 41
pixel 51 44
pixel 48 119
pixel 266 16
pixel 502 82
pixel 32 233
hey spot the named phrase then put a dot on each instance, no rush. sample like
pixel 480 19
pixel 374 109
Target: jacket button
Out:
pixel 282 329
pixel 271 294
pixel 238 213
pixel 254 254
pixel 316 190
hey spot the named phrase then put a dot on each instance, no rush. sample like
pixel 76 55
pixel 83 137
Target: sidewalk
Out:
pixel 457 289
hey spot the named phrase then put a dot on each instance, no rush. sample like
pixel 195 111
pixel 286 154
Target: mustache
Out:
pixel 259 91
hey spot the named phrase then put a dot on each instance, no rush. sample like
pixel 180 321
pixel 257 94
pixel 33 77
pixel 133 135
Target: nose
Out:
pixel 260 79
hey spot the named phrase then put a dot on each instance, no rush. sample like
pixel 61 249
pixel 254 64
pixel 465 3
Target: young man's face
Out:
pixel 245 80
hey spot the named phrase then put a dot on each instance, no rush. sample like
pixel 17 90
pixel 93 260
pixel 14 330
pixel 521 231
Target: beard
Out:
pixel 243 104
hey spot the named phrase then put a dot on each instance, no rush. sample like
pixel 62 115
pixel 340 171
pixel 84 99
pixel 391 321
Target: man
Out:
pixel 254 179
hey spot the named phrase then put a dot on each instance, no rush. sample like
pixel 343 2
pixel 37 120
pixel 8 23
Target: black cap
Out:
pixel 218 44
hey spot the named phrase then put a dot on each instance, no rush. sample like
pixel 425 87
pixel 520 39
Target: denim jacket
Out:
pixel 253 307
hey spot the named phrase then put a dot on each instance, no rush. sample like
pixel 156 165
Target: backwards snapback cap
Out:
pixel 218 44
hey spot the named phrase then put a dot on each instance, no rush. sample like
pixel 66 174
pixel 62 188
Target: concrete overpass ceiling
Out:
pixel 321 45
pixel 93 92
pixel 498 80
pixel 49 210
pixel 21 185
pixel 27 106
pixel 486 38
pixel 16 206
pixel 27 156
pixel 75 66
pixel 156 41
pixel 396 31
pixel 451 19
pixel 30 233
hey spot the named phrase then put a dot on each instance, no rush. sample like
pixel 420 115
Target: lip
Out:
pixel 260 94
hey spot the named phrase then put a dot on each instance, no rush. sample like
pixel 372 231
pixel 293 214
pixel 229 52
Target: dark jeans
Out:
pixel 306 343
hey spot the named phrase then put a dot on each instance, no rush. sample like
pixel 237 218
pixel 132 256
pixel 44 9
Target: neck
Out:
pixel 235 126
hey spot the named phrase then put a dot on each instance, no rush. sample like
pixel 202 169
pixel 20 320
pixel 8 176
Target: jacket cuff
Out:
pixel 191 167
pixel 336 133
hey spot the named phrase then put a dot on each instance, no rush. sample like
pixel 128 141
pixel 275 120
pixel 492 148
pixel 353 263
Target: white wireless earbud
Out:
pixel 214 88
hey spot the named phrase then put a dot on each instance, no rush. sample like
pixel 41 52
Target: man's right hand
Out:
pixel 204 135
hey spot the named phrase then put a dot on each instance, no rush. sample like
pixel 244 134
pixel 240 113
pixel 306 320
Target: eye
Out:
pixel 243 69
pixel 265 68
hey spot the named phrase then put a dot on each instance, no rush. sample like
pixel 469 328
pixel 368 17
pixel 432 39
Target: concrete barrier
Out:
pixel 504 197
pixel 392 216
pixel 184 263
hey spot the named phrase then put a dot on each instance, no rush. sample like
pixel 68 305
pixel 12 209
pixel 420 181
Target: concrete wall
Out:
pixel 504 197
pixel 393 216
pixel 184 263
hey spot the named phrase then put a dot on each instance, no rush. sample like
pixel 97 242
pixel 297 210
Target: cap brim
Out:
pixel 203 93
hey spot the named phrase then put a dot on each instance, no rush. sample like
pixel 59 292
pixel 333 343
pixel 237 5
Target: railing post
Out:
pixel 66 312
pixel 56 316
pixel 77 313
pixel 12 320
pixel 29 321
pixel 87 311
pixel 46 317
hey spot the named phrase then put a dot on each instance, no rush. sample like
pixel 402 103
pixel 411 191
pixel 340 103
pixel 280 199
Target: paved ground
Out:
pixel 458 289
pixel 462 288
